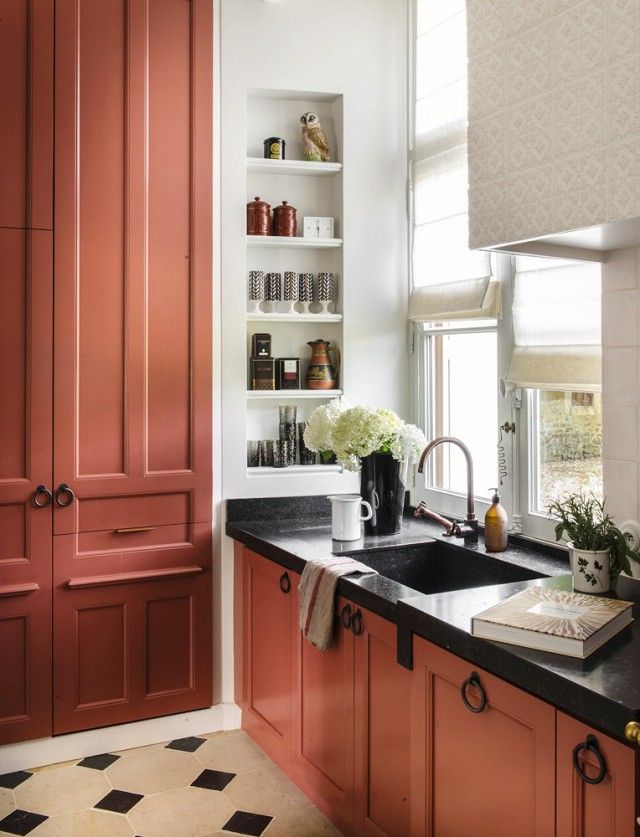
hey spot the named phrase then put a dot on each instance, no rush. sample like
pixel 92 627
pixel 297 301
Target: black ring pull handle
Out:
pixel 285 582
pixel 345 616
pixel 356 622
pixel 473 680
pixel 591 744
pixel 42 492
pixel 64 495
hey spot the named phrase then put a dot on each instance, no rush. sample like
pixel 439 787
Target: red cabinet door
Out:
pixel 133 261
pixel 132 625
pixel 26 114
pixel 269 612
pixel 383 732
pixel 605 809
pixel 25 463
pixel 323 720
pixel 488 772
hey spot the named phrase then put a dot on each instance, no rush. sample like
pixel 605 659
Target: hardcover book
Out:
pixel 574 624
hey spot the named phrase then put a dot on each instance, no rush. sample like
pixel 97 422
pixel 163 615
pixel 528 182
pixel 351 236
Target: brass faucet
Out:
pixel 453 529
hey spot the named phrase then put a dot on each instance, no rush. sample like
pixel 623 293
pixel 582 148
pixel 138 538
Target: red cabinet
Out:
pixel 268 603
pixel 323 753
pixel 585 809
pixel 485 751
pixel 25 464
pixel 26 114
pixel 122 314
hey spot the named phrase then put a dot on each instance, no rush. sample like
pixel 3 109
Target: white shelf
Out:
pixel 297 394
pixel 293 242
pixel 294 318
pixel 259 165
pixel 293 470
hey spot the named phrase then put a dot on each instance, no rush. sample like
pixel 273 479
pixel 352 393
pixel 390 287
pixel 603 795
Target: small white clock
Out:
pixel 315 227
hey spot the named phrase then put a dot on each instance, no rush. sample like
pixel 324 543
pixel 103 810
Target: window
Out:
pixel 506 349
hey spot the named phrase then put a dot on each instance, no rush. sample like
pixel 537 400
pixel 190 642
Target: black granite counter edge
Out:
pixel 593 709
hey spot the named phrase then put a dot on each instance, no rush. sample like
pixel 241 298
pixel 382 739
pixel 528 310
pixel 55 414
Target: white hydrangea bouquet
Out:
pixel 351 433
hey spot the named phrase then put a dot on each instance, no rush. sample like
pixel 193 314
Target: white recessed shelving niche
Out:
pixel 314 189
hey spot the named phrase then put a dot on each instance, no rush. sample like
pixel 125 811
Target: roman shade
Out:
pixel 449 280
pixel 556 325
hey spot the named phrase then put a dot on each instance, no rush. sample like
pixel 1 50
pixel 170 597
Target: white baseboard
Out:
pixel 77 745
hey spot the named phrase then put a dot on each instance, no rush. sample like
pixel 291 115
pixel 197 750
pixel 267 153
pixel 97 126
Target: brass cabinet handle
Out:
pixel 356 622
pixel 42 492
pixel 64 495
pixel 474 680
pixel 591 744
pixel 632 732
pixel 345 616
pixel 130 529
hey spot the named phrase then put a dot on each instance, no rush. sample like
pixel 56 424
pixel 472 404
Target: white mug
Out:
pixel 346 516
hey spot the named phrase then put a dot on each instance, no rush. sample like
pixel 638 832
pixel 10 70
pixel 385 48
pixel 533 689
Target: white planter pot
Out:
pixel 590 570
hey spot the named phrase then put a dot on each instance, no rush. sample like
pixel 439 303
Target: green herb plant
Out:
pixel 583 521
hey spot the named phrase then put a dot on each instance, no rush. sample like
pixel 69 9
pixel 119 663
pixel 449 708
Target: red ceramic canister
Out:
pixel 258 217
pixel 284 220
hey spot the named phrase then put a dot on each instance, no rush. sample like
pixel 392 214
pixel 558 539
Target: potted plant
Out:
pixel 376 442
pixel 598 550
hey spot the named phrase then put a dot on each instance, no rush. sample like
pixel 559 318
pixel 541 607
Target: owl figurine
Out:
pixel 315 143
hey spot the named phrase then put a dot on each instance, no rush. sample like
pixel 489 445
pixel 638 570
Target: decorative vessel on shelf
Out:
pixel 323 371
pixel 376 442
pixel 284 220
pixel 258 217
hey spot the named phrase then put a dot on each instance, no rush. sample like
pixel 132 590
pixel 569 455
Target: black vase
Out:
pixel 382 487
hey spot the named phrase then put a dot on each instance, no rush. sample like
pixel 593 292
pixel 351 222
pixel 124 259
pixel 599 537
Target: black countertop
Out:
pixel 603 690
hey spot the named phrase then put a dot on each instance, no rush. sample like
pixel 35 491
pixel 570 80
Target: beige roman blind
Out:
pixel 449 280
pixel 556 325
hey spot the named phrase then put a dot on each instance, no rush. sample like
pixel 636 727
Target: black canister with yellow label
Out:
pixel 274 148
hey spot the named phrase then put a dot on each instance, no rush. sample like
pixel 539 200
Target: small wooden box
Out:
pixel 288 373
pixel 262 373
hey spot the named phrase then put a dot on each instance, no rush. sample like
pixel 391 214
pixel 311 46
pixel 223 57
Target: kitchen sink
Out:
pixel 437 567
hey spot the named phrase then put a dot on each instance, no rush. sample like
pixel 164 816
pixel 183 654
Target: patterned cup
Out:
pixel 305 289
pixel 256 290
pixel 326 290
pixel 274 289
pixel 291 290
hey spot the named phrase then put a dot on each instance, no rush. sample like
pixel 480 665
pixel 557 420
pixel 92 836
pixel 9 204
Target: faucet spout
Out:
pixel 470 528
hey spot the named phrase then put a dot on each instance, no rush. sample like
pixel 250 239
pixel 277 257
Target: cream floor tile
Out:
pixel 265 792
pixel 52 766
pixel 6 802
pixel 307 822
pixel 144 771
pixel 86 824
pixel 232 752
pixel 61 791
pixel 187 812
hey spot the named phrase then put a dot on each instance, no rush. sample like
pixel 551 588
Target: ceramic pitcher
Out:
pixel 323 374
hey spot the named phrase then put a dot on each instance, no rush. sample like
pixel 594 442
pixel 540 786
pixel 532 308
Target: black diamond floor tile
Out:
pixel 12 780
pixel 188 745
pixel 243 822
pixel 213 780
pixel 100 762
pixel 121 802
pixel 21 822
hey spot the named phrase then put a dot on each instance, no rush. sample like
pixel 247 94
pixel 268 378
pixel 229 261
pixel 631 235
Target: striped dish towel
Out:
pixel 317 595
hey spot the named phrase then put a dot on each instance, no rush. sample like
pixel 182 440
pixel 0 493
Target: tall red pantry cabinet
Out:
pixel 105 330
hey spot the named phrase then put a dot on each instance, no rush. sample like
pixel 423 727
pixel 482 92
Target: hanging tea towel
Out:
pixel 317 595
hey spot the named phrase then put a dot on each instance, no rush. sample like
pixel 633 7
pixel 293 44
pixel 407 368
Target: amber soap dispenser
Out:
pixel 495 525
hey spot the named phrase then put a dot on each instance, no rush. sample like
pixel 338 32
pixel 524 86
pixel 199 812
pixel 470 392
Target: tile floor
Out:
pixel 218 784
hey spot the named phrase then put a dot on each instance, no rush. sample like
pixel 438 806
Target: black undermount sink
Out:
pixel 437 568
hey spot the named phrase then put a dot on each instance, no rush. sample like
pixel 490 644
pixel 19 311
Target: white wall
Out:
pixel 620 383
pixel 356 49
pixel 554 116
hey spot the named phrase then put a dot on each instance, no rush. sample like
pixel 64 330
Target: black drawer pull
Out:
pixel 356 622
pixel 592 745
pixel 42 492
pixel 64 495
pixel 474 680
pixel 285 582
pixel 345 616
